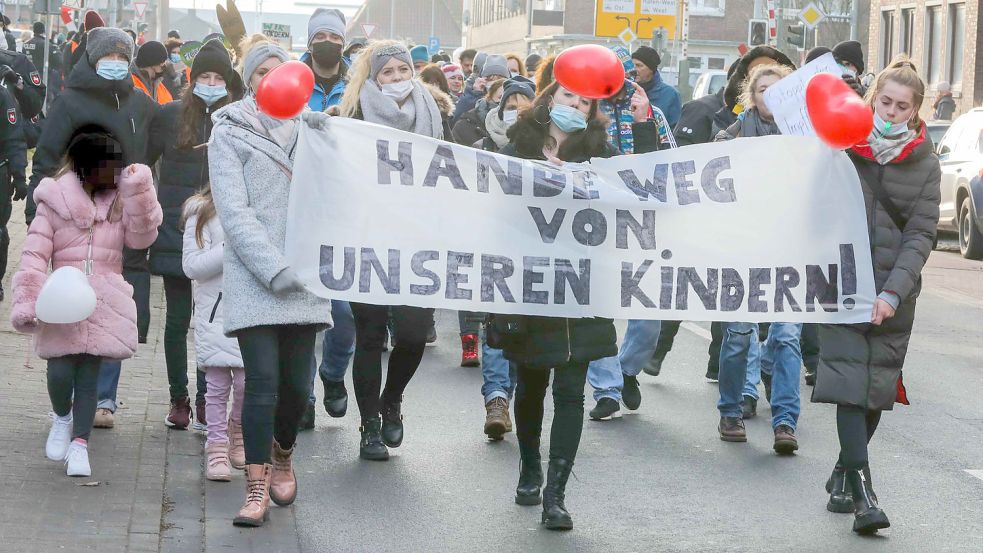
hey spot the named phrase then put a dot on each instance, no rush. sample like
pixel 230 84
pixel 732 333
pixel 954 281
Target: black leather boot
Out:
pixel 555 515
pixel 840 498
pixel 371 447
pixel 392 423
pixel 868 517
pixel 530 476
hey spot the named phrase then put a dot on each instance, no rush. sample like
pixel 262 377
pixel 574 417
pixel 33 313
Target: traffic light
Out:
pixel 757 32
pixel 797 35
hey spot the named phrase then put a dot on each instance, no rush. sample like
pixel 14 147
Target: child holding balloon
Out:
pixel 86 214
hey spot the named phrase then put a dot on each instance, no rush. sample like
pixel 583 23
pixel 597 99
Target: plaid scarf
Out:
pixel 620 121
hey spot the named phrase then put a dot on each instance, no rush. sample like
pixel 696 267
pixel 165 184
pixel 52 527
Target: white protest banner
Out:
pixel 786 99
pixel 756 229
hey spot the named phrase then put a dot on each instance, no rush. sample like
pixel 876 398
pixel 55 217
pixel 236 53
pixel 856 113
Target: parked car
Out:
pixel 936 130
pixel 709 83
pixel 961 157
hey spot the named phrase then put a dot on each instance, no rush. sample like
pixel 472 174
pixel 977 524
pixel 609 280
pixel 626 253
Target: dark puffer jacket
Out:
pixel 549 342
pixel 183 173
pixel 860 364
pixel 470 127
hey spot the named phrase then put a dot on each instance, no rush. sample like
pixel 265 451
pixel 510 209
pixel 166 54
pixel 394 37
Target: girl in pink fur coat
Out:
pixel 85 215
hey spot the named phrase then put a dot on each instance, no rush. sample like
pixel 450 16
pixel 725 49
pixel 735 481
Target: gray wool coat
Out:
pixel 860 364
pixel 251 191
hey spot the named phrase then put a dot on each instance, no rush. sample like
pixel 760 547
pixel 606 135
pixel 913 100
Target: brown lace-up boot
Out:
pixel 283 482
pixel 256 510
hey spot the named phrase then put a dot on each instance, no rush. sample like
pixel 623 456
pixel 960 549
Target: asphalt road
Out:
pixel 660 479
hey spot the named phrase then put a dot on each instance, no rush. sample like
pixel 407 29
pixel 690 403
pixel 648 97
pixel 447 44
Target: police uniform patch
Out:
pixel 36 78
pixel 12 116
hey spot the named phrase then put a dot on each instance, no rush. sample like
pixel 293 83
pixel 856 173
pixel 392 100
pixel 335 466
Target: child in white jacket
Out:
pixel 218 355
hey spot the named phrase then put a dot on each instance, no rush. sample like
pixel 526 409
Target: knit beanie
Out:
pixel 496 65
pixel 103 41
pixel 532 62
pixel 257 55
pixel 92 20
pixel 150 54
pixel 212 57
pixel 326 19
pixel 355 43
pixel 648 56
pixel 624 57
pixel 516 85
pixel 478 62
pixel 850 51
pixel 420 53
pixel 382 56
pixel 451 70
pixel 816 52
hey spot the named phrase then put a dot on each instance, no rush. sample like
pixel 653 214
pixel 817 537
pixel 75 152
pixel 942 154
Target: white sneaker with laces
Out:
pixel 77 460
pixel 59 437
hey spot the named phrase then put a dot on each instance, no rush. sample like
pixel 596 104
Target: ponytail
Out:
pixel 903 72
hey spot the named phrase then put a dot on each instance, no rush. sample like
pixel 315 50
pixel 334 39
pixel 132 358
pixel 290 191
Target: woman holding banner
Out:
pixel 560 126
pixel 860 365
pixel 382 90
pixel 266 307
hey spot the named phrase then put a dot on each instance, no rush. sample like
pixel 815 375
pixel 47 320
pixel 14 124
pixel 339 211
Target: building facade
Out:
pixel 413 21
pixel 941 37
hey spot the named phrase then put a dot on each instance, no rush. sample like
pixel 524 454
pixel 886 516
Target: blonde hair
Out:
pixel 903 72
pixel 359 73
pixel 493 88
pixel 746 98
pixel 522 64
pixel 202 205
pixel 247 43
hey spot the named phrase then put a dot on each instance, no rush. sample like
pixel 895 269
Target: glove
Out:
pixel 20 190
pixel 853 83
pixel 8 75
pixel 286 282
pixel 315 119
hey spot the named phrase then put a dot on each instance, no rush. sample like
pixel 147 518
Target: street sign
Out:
pixel 627 37
pixel 140 9
pixel 642 17
pixel 278 32
pixel 811 15
pixel 73 4
pixel 368 29
pixel 434 45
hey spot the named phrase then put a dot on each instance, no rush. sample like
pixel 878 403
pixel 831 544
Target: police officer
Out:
pixel 29 90
pixel 13 165
pixel 34 49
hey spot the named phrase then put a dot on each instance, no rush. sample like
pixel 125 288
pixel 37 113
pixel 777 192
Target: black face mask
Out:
pixel 326 54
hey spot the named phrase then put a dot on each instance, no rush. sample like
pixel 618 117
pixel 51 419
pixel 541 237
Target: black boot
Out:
pixel 869 518
pixel 392 423
pixel 555 515
pixel 530 476
pixel 840 498
pixel 371 447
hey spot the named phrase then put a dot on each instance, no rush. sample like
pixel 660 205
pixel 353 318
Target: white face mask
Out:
pixel 398 91
pixel 510 116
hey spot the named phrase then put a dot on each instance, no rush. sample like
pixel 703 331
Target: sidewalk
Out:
pixel 147 492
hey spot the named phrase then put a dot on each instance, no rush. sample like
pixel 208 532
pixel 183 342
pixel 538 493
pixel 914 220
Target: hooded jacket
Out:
pixel 67 221
pixel 696 120
pixel 91 99
pixel 860 364
pixel 251 187
pixel 322 99
pixel 663 96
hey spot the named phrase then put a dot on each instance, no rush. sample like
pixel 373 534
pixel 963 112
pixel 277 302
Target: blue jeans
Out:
pixel 641 339
pixel 605 377
pixel 780 356
pixel 497 373
pixel 338 347
pixel 107 383
pixel 753 369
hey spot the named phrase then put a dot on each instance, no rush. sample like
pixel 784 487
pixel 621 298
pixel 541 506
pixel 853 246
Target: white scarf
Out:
pixel 419 113
pixel 283 132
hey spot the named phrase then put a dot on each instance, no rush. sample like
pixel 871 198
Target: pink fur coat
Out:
pixel 59 234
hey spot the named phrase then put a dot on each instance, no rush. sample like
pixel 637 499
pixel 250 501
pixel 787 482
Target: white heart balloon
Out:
pixel 66 297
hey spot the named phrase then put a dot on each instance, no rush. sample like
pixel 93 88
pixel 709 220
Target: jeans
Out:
pixel 606 378
pixel 668 335
pixel 72 388
pixel 780 356
pixel 338 346
pixel 136 271
pixel 107 383
pixel 412 325
pixel 753 369
pixel 641 339
pixel 278 367
pixel 855 426
pixel 177 295
pixel 568 408
pixel 470 322
pixel 6 208
pixel 497 373
pixel 201 386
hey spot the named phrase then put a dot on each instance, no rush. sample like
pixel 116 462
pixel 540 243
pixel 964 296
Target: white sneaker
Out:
pixel 77 460
pixel 59 437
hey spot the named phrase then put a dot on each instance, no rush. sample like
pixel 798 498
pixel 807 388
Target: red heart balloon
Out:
pixel 589 70
pixel 285 90
pixel 840 116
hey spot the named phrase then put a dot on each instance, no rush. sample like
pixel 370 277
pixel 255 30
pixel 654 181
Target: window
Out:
pixel 707 7
pixel 907 34
pixel 956 42
pixel 716 63
pixel 933 43
pixel 887 37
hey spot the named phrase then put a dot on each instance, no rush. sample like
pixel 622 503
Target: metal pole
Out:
pixel 47 63
pixel 392 19
pixel 433 17
pixel 854 17
pixel 528 26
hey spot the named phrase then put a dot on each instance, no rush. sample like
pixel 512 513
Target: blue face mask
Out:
pixel 210 94
pixel 175 58
pixel 113 70
pixel 887 128
pixel 568 119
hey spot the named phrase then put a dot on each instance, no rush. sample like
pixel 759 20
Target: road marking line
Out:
pixel 976 473
pixel 698 330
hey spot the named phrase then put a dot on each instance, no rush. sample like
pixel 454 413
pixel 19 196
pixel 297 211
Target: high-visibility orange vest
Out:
pixel 163 95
